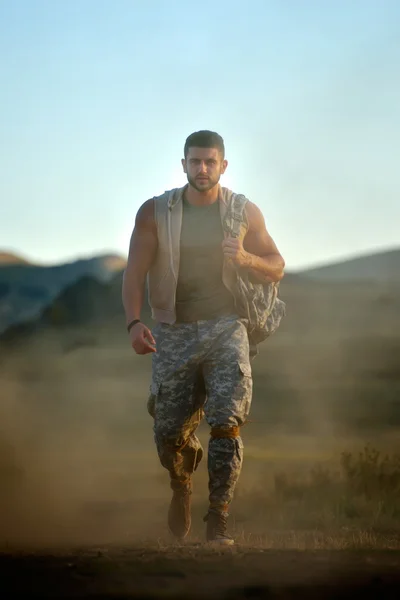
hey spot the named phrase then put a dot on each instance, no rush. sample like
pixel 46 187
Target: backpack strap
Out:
pixel 234 214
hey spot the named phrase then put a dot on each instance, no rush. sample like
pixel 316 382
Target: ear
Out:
pixel 224 166
pixel 183 161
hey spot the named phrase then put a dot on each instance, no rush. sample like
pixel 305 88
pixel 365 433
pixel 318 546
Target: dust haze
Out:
pixel 77 460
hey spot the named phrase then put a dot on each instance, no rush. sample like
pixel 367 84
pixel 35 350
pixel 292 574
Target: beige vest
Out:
pixel 163 276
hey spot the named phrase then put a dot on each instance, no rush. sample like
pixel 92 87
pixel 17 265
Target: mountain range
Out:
pixel 90 288
pixel 379 267
pixel 26 288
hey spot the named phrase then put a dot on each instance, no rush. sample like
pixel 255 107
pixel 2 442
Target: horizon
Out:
pixel 111 253
pixel 98 103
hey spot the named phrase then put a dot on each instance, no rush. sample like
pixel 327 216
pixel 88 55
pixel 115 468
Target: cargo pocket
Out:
pixel 245 390
pixel 225 454
pixel 152 399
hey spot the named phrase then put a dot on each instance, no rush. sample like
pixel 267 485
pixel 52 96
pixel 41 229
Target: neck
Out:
pixel 197 198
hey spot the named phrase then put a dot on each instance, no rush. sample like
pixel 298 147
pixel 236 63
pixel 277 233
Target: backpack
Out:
pixel 258 303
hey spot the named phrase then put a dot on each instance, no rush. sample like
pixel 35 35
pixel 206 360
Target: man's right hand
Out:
pixel 141 339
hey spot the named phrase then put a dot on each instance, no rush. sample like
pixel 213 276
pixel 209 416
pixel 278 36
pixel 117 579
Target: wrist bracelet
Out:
pixel 132 323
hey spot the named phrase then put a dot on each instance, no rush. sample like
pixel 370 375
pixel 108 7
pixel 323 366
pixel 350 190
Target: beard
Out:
pixel 203 186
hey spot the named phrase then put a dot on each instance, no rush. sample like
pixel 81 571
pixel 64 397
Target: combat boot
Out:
pixel 179 514
pixel 216 532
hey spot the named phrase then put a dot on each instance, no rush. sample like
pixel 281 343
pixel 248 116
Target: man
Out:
pixel 200 345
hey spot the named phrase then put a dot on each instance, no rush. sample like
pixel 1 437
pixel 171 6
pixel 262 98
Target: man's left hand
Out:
pixel 233 249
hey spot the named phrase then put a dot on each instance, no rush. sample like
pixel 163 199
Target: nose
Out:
pixel 202 167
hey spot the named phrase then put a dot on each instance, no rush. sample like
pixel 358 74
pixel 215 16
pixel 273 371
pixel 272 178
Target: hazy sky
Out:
pixel 98 96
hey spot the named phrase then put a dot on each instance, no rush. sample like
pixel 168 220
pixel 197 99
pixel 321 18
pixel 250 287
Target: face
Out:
pixel 204 167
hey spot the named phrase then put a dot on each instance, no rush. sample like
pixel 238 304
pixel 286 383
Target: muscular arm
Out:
pixel 264 259
pixel 258 253
pixel 142 251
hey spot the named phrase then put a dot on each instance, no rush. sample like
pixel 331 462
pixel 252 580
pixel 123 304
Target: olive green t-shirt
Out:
pixel 200 292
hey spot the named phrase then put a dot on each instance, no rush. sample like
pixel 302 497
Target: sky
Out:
pixel 98 96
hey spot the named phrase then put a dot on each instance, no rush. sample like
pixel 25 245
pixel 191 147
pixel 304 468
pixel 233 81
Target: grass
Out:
pixel 358 500
pixel 354 504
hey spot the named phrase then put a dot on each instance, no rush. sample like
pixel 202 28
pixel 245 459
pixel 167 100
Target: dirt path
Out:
pixel 197 572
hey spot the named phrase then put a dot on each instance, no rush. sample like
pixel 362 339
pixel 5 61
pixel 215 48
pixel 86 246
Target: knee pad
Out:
pixel 225 432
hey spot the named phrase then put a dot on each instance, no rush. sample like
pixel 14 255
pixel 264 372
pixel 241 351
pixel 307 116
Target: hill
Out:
pixel 8 258
pixel 25 289
pixel 380 267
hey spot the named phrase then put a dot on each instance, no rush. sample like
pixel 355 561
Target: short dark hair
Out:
pixel 204 139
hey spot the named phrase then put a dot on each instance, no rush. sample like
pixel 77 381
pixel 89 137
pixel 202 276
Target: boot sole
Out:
pixel 219 543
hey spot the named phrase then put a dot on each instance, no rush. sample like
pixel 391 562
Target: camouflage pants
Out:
pixel 201 368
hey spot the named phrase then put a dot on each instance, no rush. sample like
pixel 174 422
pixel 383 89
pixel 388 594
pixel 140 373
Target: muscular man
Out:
pixel 200 346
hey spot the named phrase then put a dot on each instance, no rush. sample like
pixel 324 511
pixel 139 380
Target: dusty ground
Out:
pixel 196 572
pixel 82 487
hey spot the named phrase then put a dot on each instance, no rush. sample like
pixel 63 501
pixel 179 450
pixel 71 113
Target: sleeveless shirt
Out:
pixel 201 293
